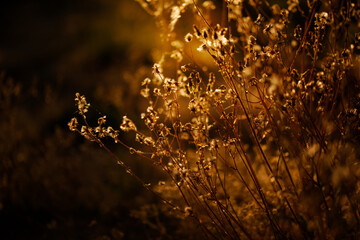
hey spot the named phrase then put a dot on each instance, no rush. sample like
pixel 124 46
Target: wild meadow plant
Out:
pixel 254 115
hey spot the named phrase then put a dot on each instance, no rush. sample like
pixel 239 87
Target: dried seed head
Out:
pixel 146 81
pixel 73 124
pixel 215 35
pixel 252 40
pixel 102 120
pixel 145 92
pixel 202 48
pixel 127 125
pixel 205 34
pixel 188 37
pixel 83 106
pixel 188 211
pixel 156 68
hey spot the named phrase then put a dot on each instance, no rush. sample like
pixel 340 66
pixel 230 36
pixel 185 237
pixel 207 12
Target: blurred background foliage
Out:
pixel 54 184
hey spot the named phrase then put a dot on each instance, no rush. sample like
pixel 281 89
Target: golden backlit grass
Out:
pixel 253 115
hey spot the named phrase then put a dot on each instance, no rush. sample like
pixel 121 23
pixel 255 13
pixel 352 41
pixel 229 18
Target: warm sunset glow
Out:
pixel 188 119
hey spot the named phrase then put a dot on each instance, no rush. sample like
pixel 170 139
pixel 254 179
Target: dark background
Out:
pixel 53 183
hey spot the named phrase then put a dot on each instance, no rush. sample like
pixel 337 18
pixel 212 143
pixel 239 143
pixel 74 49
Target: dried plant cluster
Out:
pixel 255 118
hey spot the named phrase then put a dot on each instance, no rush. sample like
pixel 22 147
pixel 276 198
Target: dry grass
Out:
pixel 254 116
